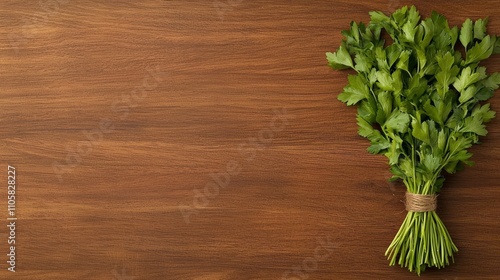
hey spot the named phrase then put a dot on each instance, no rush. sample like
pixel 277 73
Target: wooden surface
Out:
pixel 121 117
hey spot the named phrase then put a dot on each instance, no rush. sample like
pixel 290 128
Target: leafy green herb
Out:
pixel 420 104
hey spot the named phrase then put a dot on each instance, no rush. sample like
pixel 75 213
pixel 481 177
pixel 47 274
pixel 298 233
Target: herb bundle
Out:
pixel 421 103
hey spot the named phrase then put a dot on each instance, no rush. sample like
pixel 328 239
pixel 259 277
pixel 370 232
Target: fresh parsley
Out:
pixel 421 103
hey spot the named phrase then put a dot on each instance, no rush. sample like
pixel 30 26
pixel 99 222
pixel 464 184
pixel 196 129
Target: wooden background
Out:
pixel 120 117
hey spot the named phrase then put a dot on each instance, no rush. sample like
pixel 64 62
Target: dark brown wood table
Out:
pixel 203 140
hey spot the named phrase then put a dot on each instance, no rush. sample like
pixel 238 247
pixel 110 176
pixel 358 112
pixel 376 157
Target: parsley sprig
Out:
pixel 421 103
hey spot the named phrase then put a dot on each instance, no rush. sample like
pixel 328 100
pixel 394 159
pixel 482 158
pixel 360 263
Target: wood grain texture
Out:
pixel 118 115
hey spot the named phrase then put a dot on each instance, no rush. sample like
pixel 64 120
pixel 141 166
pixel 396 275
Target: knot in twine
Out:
pixel 420 202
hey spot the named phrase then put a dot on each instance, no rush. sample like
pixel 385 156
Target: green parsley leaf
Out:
pixel 481 50
pixel 466 33
pixel 339 59
pixel 398 121
pixel 480 28
pixel 474 124
pixel 356 91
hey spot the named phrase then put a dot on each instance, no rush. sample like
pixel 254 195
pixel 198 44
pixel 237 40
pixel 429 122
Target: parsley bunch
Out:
pixel 420 101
